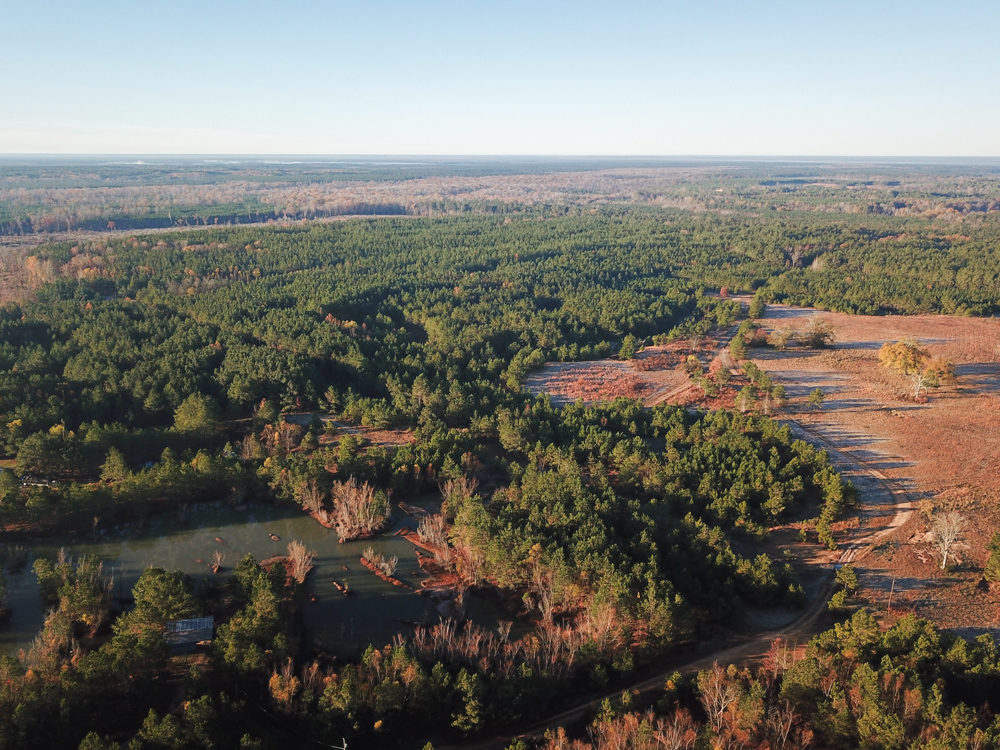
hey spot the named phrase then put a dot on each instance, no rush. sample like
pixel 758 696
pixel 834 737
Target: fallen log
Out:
pixel 344 588
pixel 413 511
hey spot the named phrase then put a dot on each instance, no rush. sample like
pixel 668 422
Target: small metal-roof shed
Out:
pixel 183 635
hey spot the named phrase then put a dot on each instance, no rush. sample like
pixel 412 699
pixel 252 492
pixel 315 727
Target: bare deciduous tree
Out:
pixel 40 271
pixel 679 732
pixel 358 510
pixel 386 564
pixel 250 448
pixel 780 721
pixel 543 588
pixel 468 561
pixel 53 646
pixel 284 686
pixel 818 333
pixel 288 435
pixel 948 530
pixel 717 692
pixel 300 560
pixel 456 491
pixel 795 254
pixel 389 564
pixel 311 496
pixel 782 336
pixel 634 731
pixel 433 531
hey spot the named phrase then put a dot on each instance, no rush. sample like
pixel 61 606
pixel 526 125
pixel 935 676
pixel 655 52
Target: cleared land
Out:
pixel 655 375
pixel 568 382
pixel 944 450
pixel 368 435
pixel 908 458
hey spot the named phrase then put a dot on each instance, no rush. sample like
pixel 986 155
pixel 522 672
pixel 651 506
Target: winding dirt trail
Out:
pixel 943 448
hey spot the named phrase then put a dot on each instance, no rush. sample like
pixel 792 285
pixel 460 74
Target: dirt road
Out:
pixel 943 448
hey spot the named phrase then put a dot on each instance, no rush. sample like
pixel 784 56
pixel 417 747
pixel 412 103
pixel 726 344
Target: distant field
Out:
pixel 655 376
pixel 604 380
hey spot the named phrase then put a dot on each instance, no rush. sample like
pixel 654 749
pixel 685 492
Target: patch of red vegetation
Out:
pixel 660 361
pixel 371 435
pixel 627 385
pixel 726 398
pixel 603 380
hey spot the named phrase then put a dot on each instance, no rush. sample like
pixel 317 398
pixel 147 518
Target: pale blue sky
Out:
pixel 423 77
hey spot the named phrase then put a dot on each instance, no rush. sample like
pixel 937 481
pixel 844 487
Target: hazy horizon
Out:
pixel 651 160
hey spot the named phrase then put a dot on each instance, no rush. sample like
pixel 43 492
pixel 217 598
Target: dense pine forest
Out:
pixel 140 373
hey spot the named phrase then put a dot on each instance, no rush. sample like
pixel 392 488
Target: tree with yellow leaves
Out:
pixel 907 357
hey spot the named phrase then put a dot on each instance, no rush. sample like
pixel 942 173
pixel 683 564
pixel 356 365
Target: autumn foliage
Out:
pixel 909 358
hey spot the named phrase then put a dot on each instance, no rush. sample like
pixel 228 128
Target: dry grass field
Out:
pixel 944 449
pixel 602 380
pixel 655 375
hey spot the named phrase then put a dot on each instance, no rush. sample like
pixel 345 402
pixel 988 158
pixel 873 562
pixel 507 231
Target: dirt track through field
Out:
pixel 943 449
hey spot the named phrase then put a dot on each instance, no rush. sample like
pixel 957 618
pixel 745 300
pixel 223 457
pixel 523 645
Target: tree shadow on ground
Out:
pixel 767 353
pixel 981 377
pixel 881 578
pixel 973 633
pixel 780 312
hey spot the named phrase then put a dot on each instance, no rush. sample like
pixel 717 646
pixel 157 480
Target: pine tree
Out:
pixel 992 571
pixel 115 468
pixel 816 399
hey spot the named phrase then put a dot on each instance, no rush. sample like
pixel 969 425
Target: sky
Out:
pixel 812 77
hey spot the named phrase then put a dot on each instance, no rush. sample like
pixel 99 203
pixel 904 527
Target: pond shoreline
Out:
pixel 188 540
pixel 41 534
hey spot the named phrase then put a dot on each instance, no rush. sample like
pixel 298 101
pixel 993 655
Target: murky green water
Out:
pixel 178 540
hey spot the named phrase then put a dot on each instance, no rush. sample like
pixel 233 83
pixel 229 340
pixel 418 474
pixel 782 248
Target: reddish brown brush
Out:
pixel 655 362
pixel 602 389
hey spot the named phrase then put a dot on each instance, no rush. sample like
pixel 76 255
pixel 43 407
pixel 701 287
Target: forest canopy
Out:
pixel 243 359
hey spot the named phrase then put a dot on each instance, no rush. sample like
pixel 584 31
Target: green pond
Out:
pixel 179 540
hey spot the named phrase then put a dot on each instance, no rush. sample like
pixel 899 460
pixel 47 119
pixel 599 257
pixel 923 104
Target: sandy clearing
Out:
pixel 373 435
pixel 944 451
pixel 607 379
pixel 567 382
